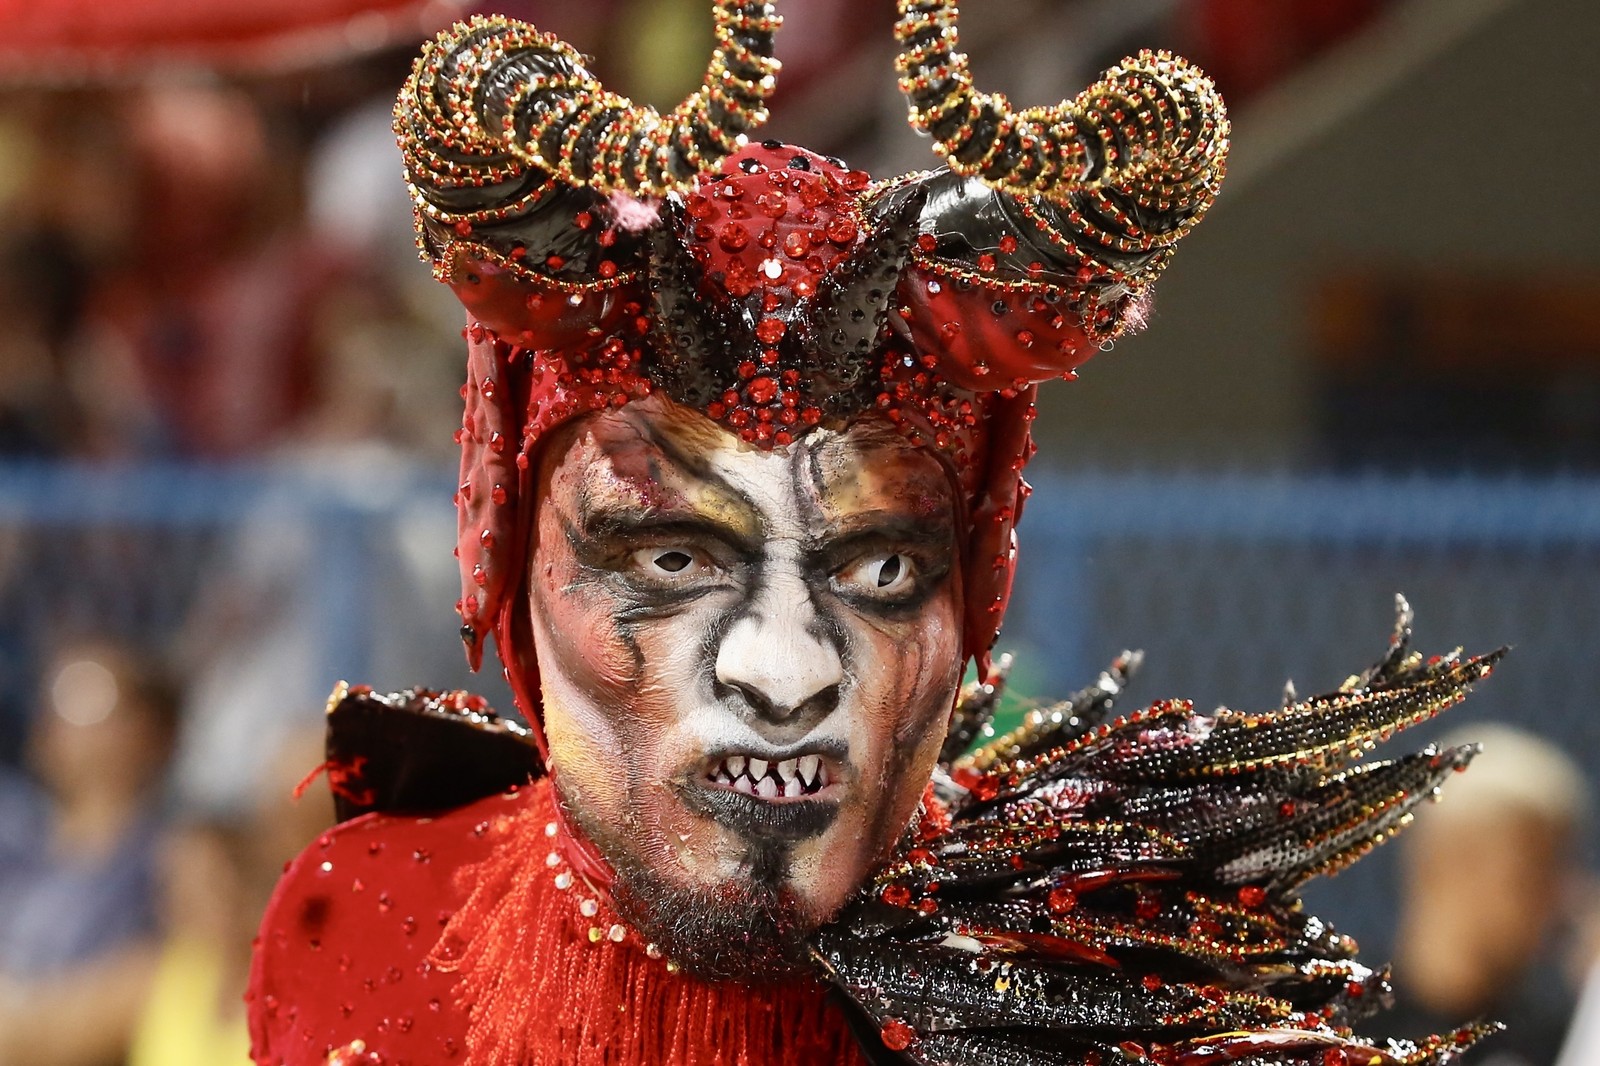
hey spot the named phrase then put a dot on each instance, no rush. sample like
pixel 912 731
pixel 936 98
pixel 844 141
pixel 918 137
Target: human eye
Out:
pixel 671 565
pixel 887 576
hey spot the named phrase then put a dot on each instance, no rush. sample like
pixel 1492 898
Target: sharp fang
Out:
pixel 735 765
pixel 793 787
pixel 767 788
pixel 809 765
pixel 758 768
pixel 722 778
pixel 743 784
pixel 786 770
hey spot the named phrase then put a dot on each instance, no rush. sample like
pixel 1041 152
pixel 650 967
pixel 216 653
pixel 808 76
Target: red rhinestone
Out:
pixel 855 180
pixel 773 204
pixel 813 193
pixel 842 229
pixel 897 1035
pixel 783 437
pixel 797 245
pixel 608 269
pixel 762 390
pixel 986 262
pixel 747 370
pixel 896 895
pixel 1150 981
pixel 1061 900
pixel 1148 908
pixel 927 243
pixel 1008 244
pixel 733 237
pixel 1252 896
pixel 771 330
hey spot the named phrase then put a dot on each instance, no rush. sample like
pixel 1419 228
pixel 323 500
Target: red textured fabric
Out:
pixel 395 940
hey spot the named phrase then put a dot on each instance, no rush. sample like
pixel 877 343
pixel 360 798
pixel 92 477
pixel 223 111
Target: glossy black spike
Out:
pixel 851 308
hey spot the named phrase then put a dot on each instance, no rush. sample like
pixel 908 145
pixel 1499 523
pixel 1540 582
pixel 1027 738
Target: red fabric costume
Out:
pixel 360 967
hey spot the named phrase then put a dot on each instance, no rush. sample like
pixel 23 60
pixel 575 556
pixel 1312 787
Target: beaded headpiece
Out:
pixel 605 251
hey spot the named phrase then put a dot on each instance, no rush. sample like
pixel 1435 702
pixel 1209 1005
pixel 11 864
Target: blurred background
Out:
pixel 227 393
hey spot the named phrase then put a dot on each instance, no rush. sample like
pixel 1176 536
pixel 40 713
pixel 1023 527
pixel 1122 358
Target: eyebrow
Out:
pixel 620 522
pixel 876 526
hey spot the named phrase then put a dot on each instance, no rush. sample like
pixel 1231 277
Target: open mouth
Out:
pixel 784 800
pixel 785 779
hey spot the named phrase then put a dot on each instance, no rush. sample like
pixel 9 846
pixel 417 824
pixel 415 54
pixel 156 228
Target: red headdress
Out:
pixel 605 251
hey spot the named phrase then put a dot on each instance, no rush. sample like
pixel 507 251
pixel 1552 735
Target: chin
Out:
pixel 751 926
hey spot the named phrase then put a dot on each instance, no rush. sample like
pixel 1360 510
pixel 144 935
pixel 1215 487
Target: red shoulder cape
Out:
pixel 361 960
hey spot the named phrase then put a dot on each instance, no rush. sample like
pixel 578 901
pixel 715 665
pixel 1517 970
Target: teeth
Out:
pixel 786 771
pixel 792 787
pixel 809 767
pixel 722 778
pixel 766 788
pixel 758 768
pixel 743 784
pixel 735 765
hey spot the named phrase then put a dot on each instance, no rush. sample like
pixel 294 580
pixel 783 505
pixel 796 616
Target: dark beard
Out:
pixel 749 931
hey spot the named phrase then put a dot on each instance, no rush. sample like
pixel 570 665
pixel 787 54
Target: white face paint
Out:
pixel 748 657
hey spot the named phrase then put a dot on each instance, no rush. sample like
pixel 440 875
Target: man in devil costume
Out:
pixel 742 458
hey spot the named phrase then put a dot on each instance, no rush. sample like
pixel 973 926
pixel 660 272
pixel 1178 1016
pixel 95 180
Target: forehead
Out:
pixel 657 455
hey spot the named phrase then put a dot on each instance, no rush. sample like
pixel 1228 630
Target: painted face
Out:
pixel 748 661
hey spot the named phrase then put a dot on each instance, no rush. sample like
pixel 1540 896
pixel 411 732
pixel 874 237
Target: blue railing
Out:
pixel 1229 583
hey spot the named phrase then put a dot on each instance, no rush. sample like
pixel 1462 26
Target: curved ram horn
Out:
pixel 493 92
pixel 1152 133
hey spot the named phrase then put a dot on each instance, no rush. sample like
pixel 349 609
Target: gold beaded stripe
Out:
pixel 1396 709
pixel 1106 932
pixel 1153 130
pixel 460 124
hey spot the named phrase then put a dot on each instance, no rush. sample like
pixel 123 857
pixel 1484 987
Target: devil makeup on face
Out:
pixel 748 657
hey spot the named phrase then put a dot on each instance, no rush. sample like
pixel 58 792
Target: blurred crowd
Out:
pixel 203 267
pixel 126 923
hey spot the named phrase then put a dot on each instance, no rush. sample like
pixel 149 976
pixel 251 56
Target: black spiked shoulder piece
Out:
pixel 1116 890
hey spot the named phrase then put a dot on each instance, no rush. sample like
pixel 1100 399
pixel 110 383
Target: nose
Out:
pixel 777 657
